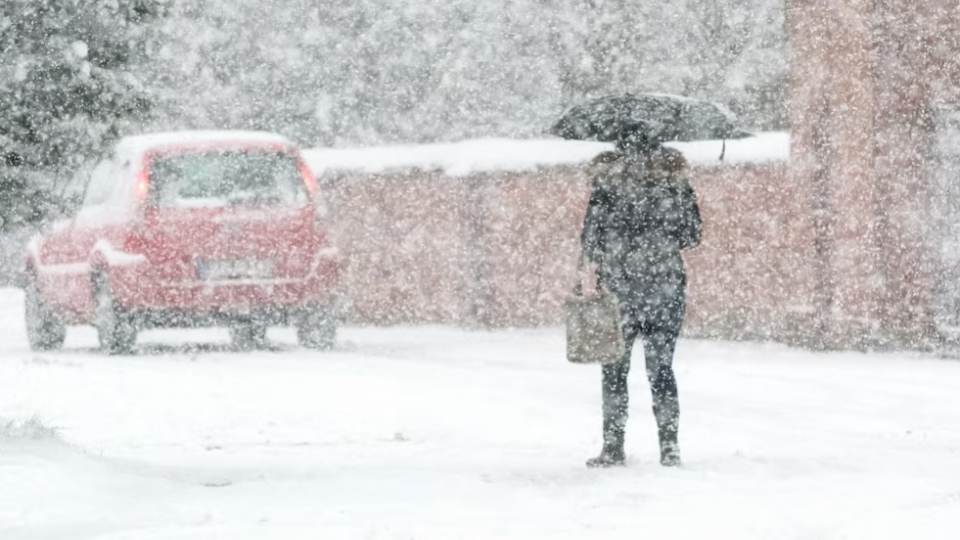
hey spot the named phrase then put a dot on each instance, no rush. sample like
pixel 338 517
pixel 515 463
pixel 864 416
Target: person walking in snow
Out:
pixel 642 214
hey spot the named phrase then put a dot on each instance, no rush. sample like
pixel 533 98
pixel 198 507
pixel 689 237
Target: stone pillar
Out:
pixel 854 199
pixel 903 149
pixel 808 102
pixel 861 144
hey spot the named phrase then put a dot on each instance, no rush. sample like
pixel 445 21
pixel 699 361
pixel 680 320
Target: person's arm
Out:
pixel 592 234
pixel 691 224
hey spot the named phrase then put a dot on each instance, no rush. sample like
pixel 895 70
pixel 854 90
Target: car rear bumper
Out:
pixel 278 315
pixel 139 289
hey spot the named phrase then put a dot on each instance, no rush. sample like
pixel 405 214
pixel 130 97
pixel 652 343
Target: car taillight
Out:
pixel 309 180
pixel 143 182
pixel 321 212
pixel 136 240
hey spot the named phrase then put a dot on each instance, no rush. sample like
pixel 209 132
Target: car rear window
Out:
pixel 236 178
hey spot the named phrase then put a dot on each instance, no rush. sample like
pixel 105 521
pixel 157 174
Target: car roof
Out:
pixel 137 145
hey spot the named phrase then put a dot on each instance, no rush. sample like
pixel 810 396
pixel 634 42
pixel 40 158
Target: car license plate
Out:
pixel 209 270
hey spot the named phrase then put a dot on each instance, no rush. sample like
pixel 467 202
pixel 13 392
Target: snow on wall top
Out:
pixel 513 155
pixel 456 159
pixel 763 148
pixel 142 143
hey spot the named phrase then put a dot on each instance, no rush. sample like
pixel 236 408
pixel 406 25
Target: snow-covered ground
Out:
pixel 442 433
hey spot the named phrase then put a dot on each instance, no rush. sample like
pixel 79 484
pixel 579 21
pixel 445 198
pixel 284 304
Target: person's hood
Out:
pixel 602 162
pixel 663 158
pixel 670 160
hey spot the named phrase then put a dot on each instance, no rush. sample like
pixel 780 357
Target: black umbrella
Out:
pixel 661 118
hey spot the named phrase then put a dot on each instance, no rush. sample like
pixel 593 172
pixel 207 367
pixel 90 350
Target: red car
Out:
pixel 184 230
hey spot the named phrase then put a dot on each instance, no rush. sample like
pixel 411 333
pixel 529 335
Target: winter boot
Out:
pixel 669 454
pixel 667 413
pixel 609 457
pixel 612 454
pixel 669 448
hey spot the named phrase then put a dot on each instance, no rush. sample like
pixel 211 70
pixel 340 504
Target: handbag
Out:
pixel 594 331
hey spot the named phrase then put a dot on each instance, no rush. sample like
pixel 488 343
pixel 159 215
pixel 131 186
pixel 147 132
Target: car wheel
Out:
pixel 317 329
pixel 45 329
pixel 115 328
pixel 249 336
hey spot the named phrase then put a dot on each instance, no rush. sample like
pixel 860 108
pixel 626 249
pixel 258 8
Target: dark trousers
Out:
pixel 659 343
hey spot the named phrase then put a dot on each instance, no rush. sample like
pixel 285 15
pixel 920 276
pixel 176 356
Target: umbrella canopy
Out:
pixel 661 117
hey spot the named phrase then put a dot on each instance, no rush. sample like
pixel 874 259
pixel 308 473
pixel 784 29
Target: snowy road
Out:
pixel 438 433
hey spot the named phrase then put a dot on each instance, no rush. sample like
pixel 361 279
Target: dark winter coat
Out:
pixel 642 214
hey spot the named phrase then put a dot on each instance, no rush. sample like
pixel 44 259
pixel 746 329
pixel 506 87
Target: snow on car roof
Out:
pixel 143 143
pixel 514 155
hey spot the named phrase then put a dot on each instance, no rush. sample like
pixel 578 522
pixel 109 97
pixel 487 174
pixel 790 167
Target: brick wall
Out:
pixel 753 275
pixel 404 238
pixel 501 250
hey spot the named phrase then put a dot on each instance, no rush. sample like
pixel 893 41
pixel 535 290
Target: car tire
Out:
pixel 317 329
pixel 115 328
pixel 46 330
pixel 248 336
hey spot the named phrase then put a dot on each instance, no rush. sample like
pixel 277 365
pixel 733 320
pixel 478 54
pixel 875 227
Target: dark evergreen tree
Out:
pixel 69 84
